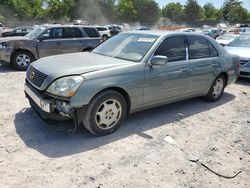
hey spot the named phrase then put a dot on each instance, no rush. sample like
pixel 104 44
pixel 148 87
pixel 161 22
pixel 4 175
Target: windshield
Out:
pixel 127 46
pixel 241 41
pixel 35 33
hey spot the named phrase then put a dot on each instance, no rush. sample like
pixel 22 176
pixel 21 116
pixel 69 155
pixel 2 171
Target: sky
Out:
pixel 217 3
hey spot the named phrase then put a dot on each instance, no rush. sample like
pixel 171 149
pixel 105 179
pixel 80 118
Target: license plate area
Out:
pixel 45 105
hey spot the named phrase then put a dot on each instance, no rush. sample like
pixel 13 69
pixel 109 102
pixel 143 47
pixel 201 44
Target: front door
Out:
pixel 51 43
pixel 168 82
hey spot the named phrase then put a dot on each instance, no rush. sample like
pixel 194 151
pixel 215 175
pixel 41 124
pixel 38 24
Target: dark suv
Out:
pixel 46 41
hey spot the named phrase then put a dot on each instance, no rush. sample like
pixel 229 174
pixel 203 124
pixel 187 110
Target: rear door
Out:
pixel 93 37
pixel 72 39
pixel 51 43
pixel 204 61
pixel 169 82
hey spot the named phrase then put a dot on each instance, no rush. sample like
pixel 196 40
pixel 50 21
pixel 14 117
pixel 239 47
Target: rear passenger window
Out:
pixel 91 32
pixel 198 47
pixel 101 29
pixel 213 51
pixel 72 33
pixel 174 48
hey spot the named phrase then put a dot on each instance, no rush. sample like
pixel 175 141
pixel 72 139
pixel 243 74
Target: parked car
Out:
pixel 241 46
pixel 104 32
pixel 18 31
pixel 2 28
pixel 114 30
pixel 225 39
pixel 142 28
pixel 214 32
pixel 127 73
pixel 46 41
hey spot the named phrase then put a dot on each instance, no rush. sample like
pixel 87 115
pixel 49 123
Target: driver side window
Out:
pixel 54 33
pixel 174 48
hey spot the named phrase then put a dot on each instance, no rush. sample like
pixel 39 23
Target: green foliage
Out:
pixel 210 12
pixel 1 18
pixel 145 12
pixel 232 10
pixel 193 11
pixel 173 11
pixel 142 11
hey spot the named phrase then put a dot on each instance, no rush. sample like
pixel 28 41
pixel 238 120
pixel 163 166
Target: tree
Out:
pixel 210 12
pixel 142 11
pixel 193 11
pixel 173 11
pixel 232 10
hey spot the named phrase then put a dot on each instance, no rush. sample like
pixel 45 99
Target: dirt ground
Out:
pixel 34 153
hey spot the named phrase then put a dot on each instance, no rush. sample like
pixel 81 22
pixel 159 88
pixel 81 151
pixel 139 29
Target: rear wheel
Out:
pixel 105 37
pixel 21 60
pixel 105 113
pixel 216 89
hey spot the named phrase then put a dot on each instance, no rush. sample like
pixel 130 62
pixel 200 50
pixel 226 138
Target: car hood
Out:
pixel 243 52
pixel 74 64
pixel 7 39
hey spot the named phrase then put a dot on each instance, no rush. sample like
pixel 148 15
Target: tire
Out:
pixel 105 37
pixel 21 60
pixel 87 50
pixel 105 113
pixel 217 89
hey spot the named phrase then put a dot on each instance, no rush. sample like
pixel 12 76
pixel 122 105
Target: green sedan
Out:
pixel 130 72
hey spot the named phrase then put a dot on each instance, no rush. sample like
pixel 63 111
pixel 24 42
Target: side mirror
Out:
pixel 158 60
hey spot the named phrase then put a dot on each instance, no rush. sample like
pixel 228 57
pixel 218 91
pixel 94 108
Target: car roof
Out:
pixel 64 26
pixel 162 33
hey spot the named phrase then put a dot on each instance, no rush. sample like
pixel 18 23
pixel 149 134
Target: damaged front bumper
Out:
pixel 48 107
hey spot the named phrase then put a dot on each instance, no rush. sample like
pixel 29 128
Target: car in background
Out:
pixel 2 28
pixel 214 32
pixel 188 30
pixel 114 29
pixel 104 32
pixel 142 28
pixel 46 41
pixel 129 72
pixel 18 31
pixel 225 39
pixel 241 47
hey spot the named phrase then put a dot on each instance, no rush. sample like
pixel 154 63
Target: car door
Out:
pixel 169 82
pixel 72 39
pixel 50 43
pixel 204 61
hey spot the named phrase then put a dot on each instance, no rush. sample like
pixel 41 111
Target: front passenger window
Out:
pixel 174 48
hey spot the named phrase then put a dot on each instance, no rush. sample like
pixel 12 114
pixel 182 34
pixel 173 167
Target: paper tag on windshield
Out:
pixel 146 40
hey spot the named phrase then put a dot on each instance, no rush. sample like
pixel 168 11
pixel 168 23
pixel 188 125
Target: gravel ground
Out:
pixel 152 149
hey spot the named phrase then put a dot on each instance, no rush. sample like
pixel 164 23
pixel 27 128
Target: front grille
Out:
pixel 36 77
pixel 244 73
pixel 243 62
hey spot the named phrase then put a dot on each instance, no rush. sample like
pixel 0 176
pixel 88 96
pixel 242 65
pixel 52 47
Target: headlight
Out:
pixel 65 87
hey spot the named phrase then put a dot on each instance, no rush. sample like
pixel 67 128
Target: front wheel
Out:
pixel 21 60
pixel 217 89
pixel 105 113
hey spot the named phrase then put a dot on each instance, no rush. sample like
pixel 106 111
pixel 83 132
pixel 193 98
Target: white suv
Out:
pixel 104 32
